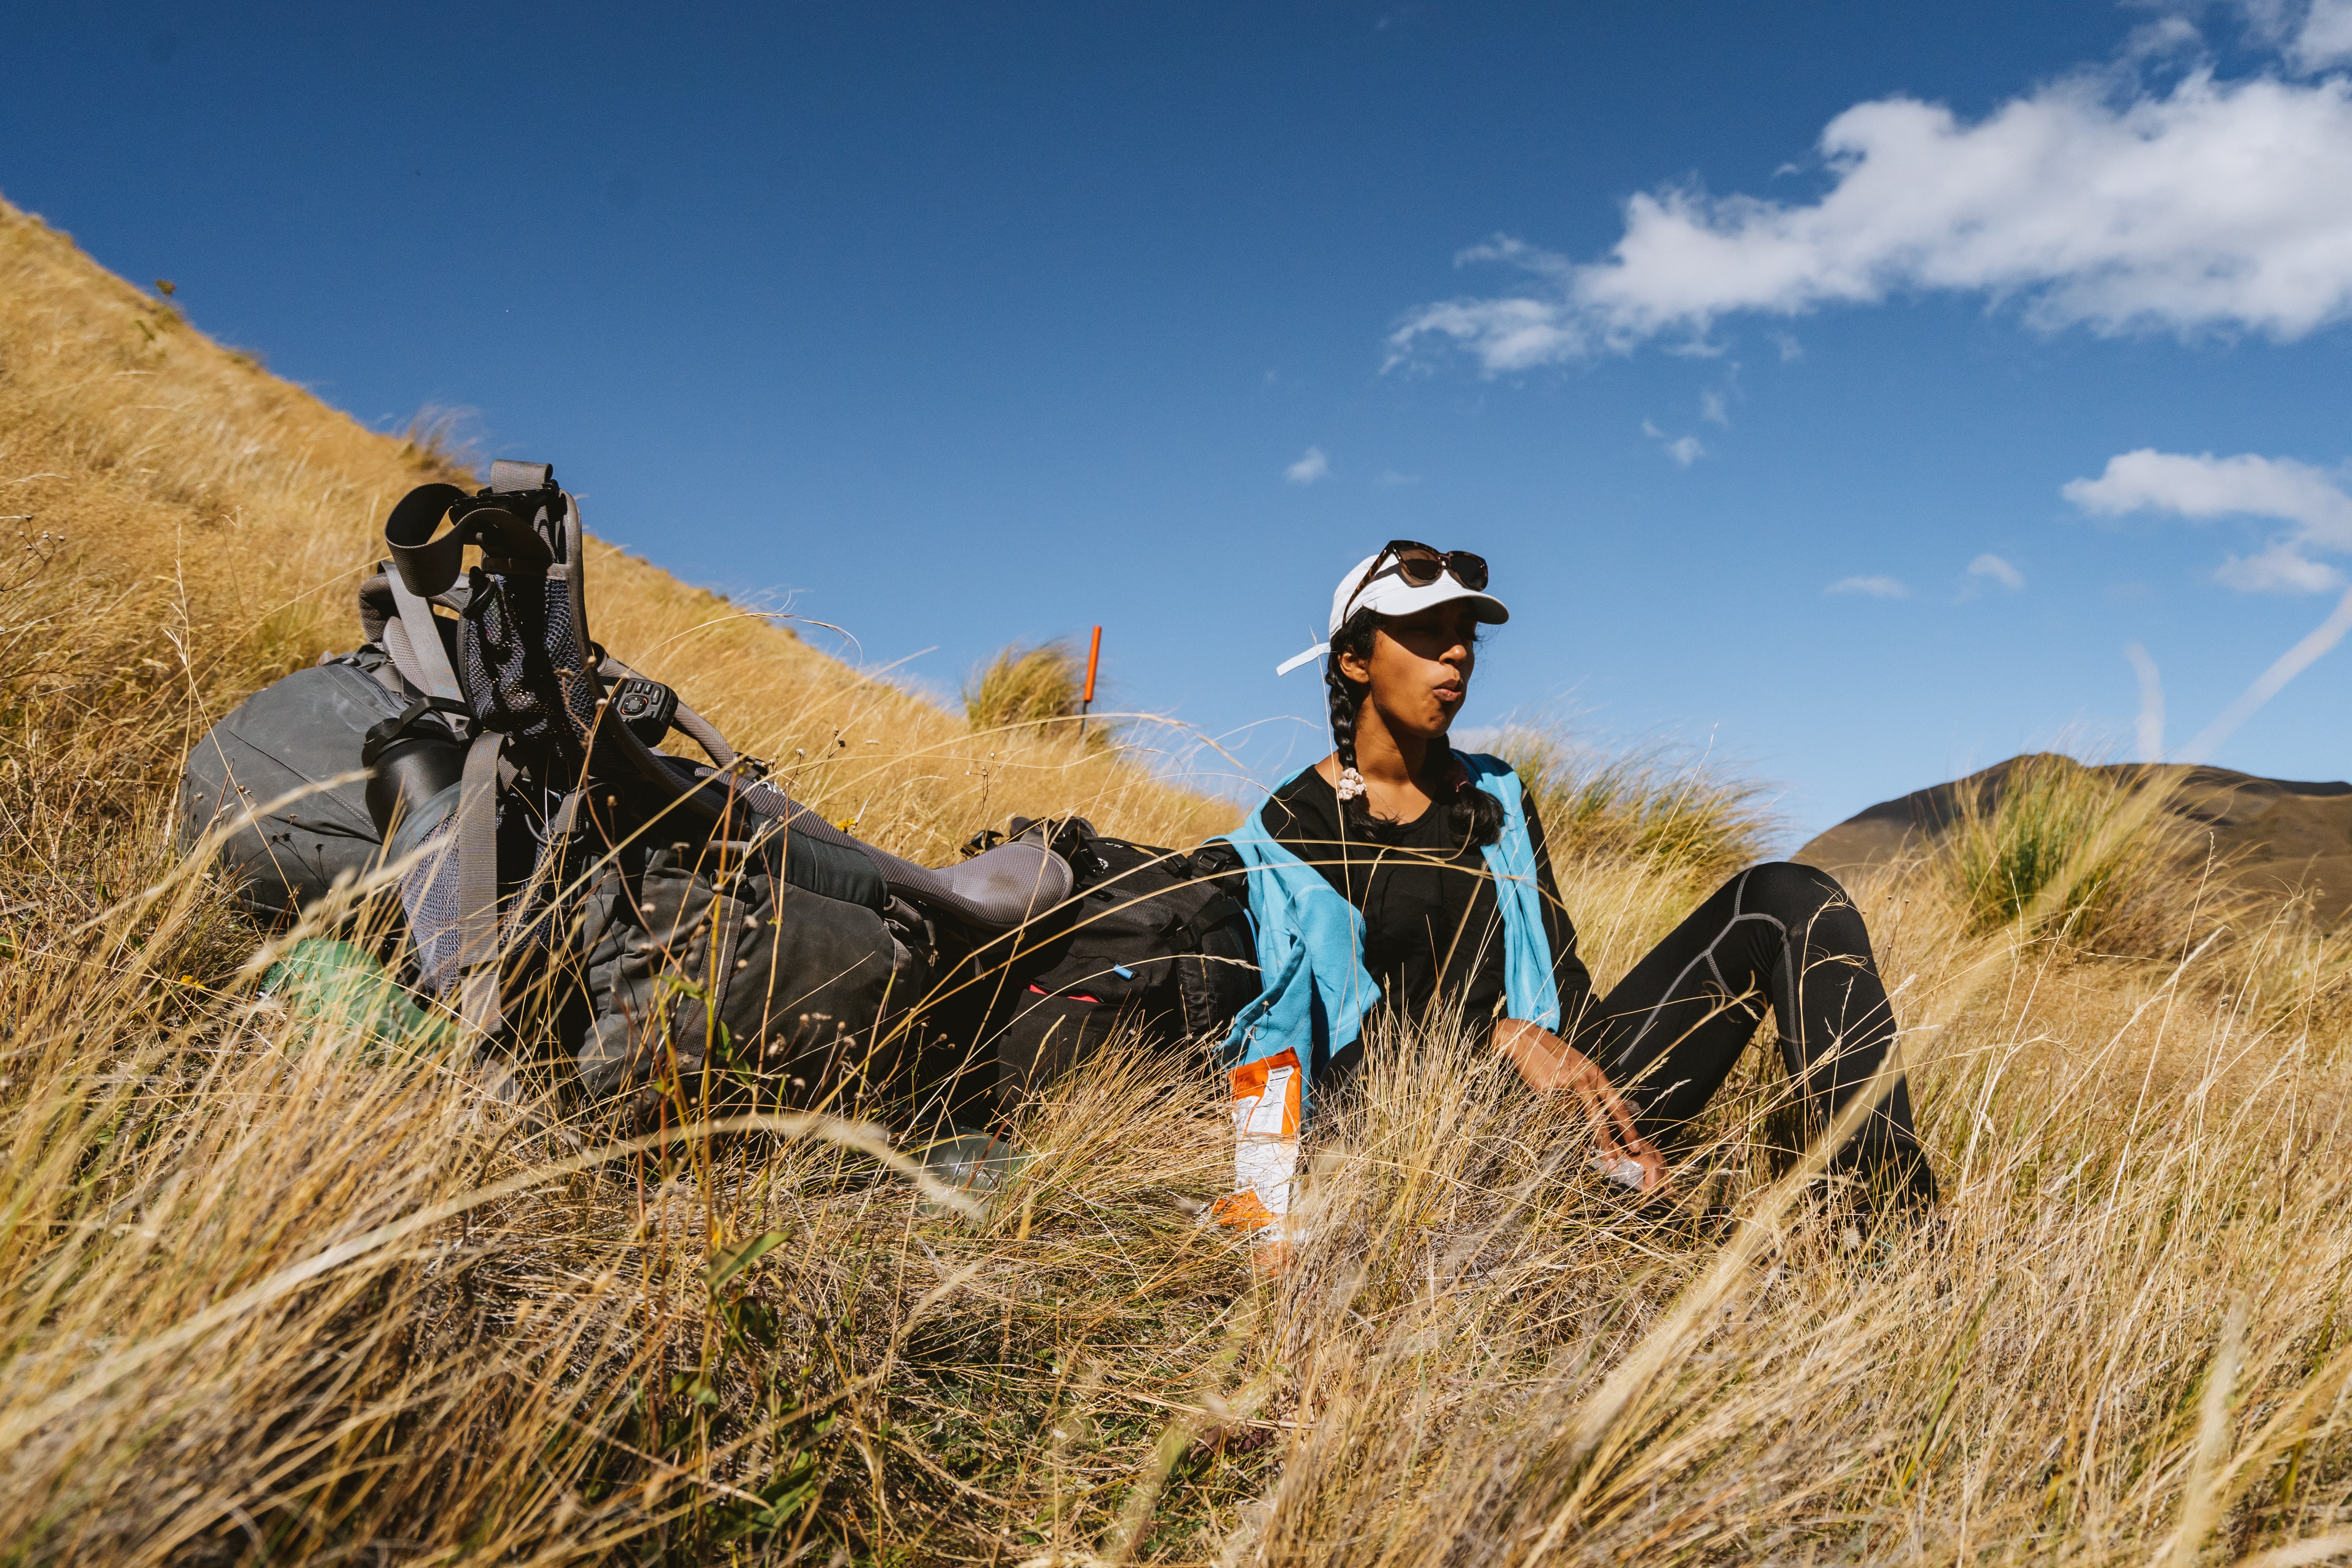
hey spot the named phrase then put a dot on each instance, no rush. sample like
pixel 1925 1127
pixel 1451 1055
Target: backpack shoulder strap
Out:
pixel 702 730
pixel 478 999
pixel 414 644
pixel 590 663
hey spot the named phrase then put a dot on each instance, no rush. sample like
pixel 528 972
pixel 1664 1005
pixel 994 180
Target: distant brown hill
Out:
pixel 2276 835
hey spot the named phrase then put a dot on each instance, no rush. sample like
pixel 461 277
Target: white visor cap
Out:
pixel 1392 596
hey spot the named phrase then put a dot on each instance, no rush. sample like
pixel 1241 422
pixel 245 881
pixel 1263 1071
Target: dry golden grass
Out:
pixel 1640 834
pixel 1651 803
pixel 272 1292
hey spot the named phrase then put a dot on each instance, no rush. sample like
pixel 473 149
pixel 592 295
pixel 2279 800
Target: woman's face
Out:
pixel 1420 668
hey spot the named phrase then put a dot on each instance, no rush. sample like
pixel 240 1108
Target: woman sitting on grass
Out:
pixel 1398 873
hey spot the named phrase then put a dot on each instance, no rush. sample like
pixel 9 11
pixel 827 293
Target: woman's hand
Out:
pixel 1549 1064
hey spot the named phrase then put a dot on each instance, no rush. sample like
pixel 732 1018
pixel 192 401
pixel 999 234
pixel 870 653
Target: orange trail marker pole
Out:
pixel 1087 701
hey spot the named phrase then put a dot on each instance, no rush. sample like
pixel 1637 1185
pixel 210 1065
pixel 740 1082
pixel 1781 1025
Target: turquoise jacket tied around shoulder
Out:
pixel 1315 989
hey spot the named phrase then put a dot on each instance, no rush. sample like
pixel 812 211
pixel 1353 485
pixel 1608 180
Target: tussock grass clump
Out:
pixel 1034 690
pixel 1025 686
pixel 2094 859
pixel 438 441
pixel 1640 834
pixel 1649 804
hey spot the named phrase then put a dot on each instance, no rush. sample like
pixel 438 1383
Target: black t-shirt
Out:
pixel 1433 932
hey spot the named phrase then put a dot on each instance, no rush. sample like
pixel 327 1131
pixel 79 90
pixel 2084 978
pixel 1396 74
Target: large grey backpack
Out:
pixel 280 774
pixel 561 872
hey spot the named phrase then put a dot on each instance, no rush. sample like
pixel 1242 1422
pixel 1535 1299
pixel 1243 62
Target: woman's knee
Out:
pixel 1788 891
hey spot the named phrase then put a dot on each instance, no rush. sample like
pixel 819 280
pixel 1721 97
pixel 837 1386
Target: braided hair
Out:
pixel 1473 815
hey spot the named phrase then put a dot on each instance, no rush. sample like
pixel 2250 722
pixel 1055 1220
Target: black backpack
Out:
pixel 1151 941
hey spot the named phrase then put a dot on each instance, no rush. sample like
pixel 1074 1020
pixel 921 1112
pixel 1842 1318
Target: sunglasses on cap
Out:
pixel 1419 565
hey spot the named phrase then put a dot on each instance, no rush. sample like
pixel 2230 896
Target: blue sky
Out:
pixel 1845 388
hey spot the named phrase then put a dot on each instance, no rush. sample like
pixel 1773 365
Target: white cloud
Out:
pixel 1711 409
pixel 2325 38
pixel 2168 36
pixel 2268 684
pixel 1683 449
pixel 2204 486
pixel 1999 571
pixel 2213 205
pixel 2281 569
pixel 1874 587
pixel 1310 468
pixel 2148 730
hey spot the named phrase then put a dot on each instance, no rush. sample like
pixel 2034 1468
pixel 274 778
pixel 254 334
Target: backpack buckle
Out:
pixel 645 708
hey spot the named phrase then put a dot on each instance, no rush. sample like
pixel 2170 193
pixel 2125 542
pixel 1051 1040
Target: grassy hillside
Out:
pixel 273 1292
pixel 177 500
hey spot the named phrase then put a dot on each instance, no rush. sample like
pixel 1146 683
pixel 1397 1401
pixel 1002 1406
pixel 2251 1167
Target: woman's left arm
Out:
pixel 1549 1064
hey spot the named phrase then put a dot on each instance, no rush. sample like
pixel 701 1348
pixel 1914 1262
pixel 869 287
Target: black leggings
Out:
pixel 1670 1032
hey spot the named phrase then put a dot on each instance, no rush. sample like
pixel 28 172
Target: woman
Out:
pixel 1398 873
